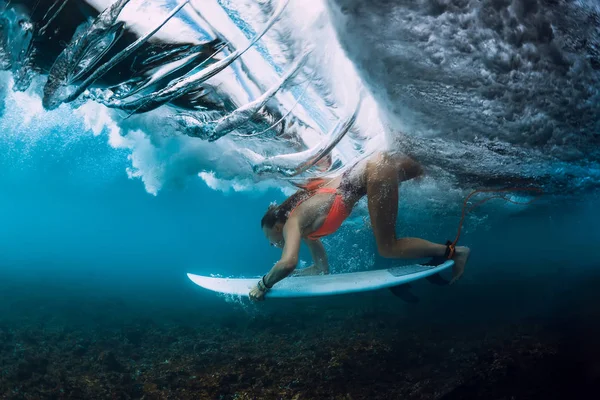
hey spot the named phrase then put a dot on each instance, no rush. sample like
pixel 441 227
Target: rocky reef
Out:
pixel 369 347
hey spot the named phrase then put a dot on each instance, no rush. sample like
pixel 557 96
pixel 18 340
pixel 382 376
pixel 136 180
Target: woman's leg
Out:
pixel 384 174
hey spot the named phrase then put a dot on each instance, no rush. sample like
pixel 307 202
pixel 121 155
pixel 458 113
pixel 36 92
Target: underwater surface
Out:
pixel 144 140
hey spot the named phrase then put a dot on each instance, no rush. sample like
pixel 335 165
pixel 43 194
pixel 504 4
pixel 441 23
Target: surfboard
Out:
pixel 324 285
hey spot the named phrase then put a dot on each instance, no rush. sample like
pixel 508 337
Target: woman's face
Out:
pixel 275 235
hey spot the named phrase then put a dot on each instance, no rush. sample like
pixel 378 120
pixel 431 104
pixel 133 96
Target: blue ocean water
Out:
pixel 72 219
pixel 105 209
pixel 85 246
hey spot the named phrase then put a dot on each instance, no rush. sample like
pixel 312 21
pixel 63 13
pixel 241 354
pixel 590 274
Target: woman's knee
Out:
pixel 386 250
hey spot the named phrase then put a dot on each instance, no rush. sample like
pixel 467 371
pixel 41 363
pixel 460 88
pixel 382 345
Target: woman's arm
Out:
pixel 288 261
pixel 319 256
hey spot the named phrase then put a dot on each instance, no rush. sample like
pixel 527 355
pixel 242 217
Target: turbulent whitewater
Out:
pixel 484 93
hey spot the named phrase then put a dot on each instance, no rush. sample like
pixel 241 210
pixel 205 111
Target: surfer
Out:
pixel 321 206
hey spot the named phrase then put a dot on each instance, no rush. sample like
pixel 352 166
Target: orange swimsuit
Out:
pixel 336 215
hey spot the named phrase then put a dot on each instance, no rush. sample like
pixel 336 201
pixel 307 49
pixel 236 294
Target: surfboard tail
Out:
pixel 437 279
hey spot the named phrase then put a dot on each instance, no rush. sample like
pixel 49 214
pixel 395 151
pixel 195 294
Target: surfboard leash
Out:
pixel 451 245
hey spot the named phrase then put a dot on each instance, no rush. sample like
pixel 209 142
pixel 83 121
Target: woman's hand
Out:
pixel 257 294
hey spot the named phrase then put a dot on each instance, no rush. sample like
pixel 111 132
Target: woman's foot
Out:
pixel 461 255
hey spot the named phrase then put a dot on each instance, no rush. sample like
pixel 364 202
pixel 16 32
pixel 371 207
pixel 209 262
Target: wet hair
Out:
pixel 279 213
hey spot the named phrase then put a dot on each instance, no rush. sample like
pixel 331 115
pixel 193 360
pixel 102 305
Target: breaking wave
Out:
pixel 483 93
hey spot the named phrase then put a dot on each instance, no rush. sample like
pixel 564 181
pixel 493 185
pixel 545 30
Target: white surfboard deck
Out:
pixel 324 285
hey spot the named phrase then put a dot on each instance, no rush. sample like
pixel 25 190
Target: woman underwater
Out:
pixel 320 207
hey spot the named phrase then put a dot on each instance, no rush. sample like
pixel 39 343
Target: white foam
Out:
pixel 24 118
pixel 301 28
pixel 142 16
pixel 467 69
pixel 404 97
pixel 236 184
